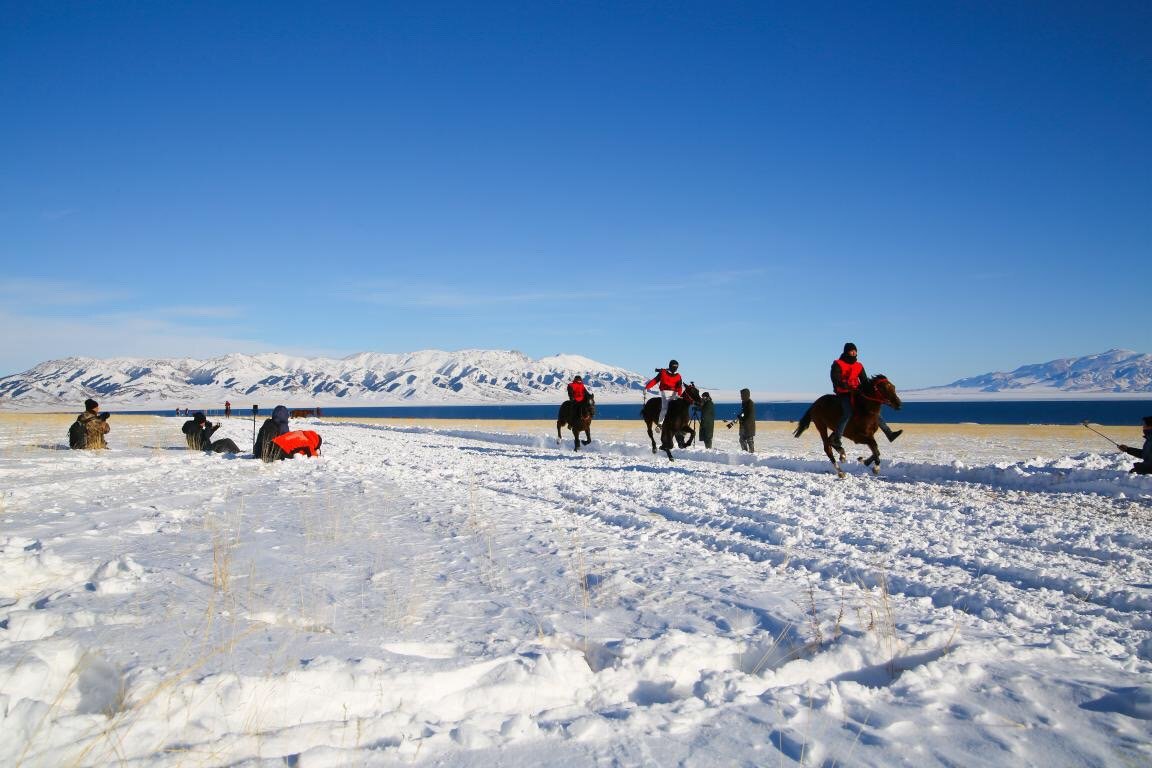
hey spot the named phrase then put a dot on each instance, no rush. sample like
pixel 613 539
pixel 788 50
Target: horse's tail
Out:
pixel 805 420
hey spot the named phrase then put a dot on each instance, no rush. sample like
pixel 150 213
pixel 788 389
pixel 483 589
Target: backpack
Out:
pixel 77 435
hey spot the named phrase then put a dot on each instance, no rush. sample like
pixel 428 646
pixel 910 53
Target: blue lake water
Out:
pixel 1108 412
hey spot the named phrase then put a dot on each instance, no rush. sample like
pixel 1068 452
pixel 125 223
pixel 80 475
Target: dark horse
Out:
pixel 577 419
pixel 677 420
pixel 825 412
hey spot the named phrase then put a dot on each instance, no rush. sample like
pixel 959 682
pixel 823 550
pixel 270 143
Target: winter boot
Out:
pixel 892 434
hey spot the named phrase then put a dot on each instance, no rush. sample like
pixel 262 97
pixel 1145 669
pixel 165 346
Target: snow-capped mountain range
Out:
pixel 465 376
pixel 1115 371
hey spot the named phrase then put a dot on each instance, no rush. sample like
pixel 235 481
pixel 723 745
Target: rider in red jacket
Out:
pixel 671 387
pixel 580 395
pixel 847 376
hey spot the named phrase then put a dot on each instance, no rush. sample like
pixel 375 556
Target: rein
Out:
pixel 883 400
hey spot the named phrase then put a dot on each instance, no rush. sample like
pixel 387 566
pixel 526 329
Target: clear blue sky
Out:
pixel 957 187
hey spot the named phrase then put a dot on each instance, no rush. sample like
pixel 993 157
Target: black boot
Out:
pixel 893 434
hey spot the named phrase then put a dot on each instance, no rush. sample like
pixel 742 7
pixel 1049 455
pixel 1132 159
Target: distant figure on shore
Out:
pixel 88 431
pixel 227 409
pixel 198 435
pixel 274 426
pixel 707 419
pixel 747 420
pixel 1144 466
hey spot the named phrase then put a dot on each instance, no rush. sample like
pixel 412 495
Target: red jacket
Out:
pixel 302 441
pixel 668 381
pixel 846 376
pixel 577 391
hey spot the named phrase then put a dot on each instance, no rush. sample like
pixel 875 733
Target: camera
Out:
pixel 104 416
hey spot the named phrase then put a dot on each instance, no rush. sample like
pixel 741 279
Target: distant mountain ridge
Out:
pixel 1114 371
pixel 470 375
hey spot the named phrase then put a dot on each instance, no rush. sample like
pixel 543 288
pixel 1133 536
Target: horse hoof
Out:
pixel 876 470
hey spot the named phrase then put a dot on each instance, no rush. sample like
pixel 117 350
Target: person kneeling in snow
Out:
pixel 1143 467
pixel 273 427
pixel 88 431
pixel 198 434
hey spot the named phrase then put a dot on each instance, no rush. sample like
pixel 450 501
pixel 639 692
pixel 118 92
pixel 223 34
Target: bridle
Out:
pixel 883 399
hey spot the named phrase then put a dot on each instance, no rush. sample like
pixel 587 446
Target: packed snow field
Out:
pixel 469 595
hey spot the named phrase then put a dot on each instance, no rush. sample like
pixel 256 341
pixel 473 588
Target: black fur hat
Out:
pixel 90 404
pixel 199 417
pixel 673 365
pixel 849 346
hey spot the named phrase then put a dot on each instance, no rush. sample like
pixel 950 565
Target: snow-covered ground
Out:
pixel 472 594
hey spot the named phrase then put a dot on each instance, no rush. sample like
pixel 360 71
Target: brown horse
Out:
pixel 677 421
pixel 861 428
pixel 577 419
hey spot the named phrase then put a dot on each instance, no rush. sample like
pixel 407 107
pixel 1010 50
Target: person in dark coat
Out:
pixel 274 426
pixel 707 419
pixel 747 421
pixel 1144 466
pixel 198 435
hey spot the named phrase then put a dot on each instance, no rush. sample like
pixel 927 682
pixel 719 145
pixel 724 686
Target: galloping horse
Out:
pixel 677 420
pixel 577 419
pixel 825 412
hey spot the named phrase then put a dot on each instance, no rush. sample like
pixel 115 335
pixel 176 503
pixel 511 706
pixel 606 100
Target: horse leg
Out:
pixel 691 437
pixel 559 425
pixel 588 434
pixel 874 459
pixel 826 439
pixel 651 439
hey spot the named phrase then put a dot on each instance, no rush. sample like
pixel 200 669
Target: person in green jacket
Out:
pixel 707 419
pixel 747 420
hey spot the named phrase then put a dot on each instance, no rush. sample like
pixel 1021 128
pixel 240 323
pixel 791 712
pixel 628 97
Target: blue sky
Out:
pixel 956 187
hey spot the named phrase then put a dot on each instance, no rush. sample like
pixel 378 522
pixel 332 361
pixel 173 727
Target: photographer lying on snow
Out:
pixel 1143 467
pixel 198 434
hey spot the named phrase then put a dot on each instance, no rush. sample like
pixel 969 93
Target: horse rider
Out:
pixel 581 397
pixel 847 377
pixel 671 387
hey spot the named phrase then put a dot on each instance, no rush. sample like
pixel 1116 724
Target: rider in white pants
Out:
pixel 670 384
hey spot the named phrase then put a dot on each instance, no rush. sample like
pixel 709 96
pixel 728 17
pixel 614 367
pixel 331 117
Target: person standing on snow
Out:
pixel 1143 467
pixel 707 419
pixel 671 386
pixel 847 376
pixel 747 421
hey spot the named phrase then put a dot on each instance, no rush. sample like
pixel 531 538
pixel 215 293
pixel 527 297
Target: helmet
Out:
pixel 673 365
